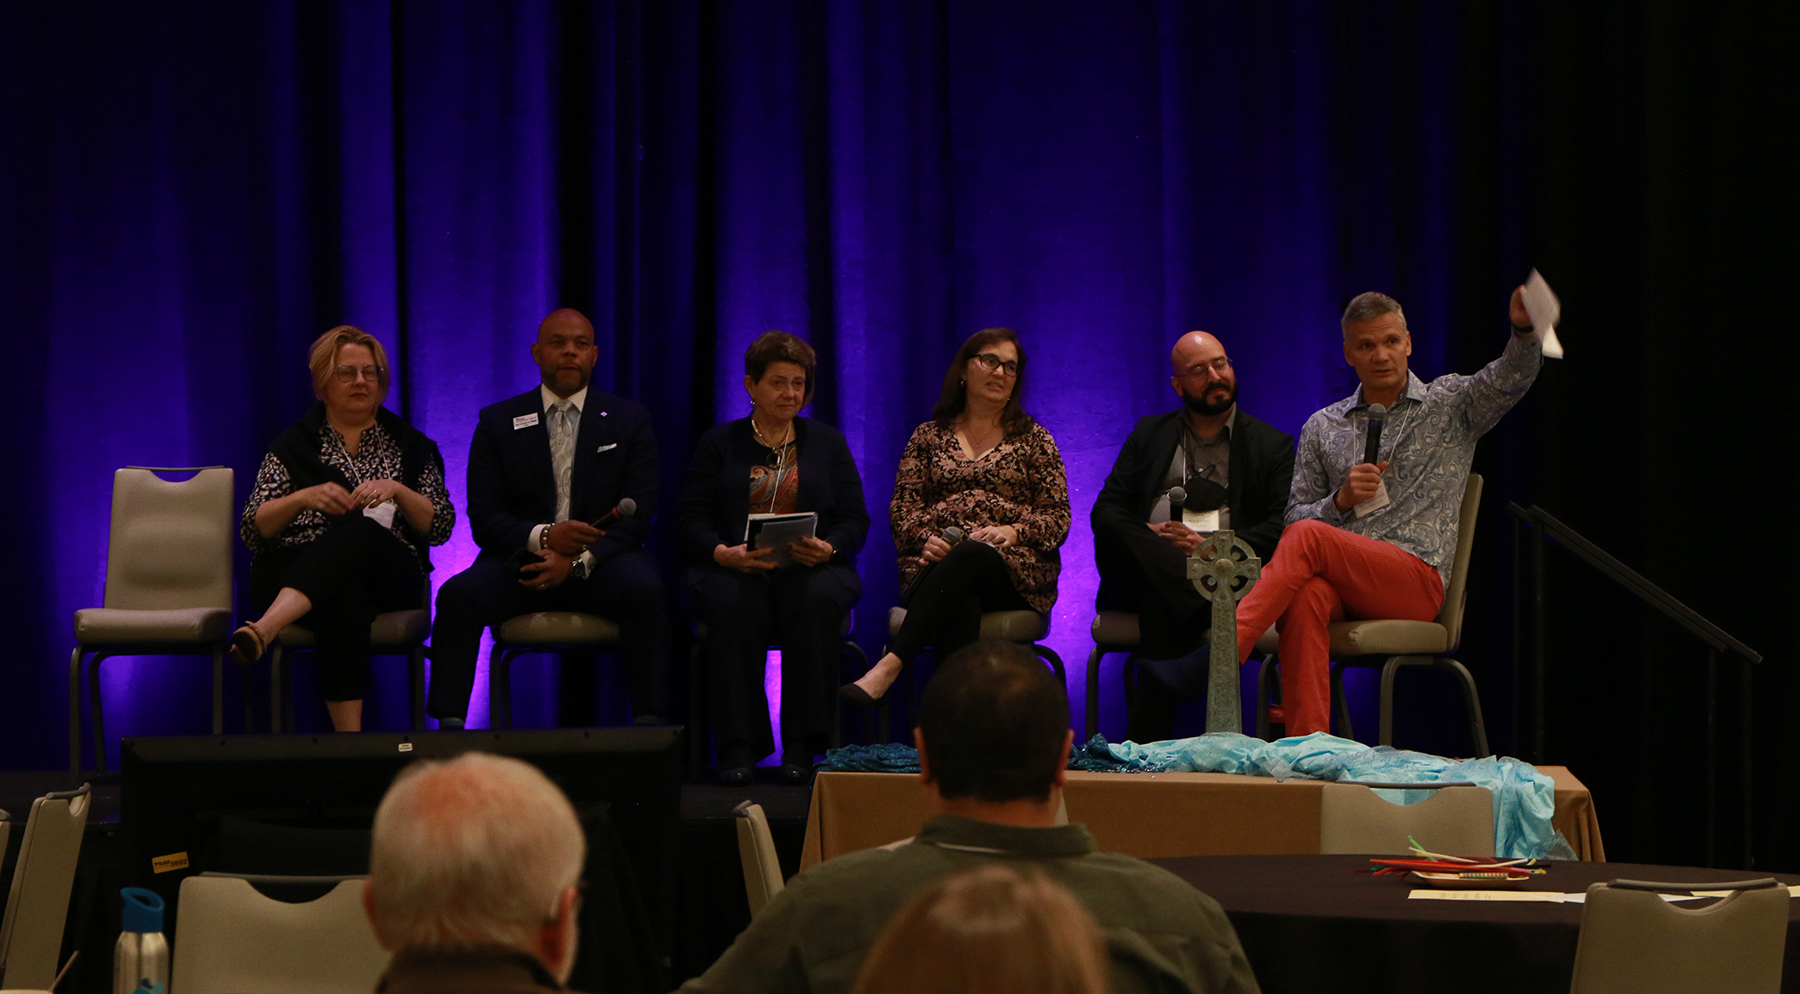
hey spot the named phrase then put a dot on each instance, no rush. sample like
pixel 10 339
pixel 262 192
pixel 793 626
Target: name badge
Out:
pixel 1375 503
pixel 1201 521
pixel 525 421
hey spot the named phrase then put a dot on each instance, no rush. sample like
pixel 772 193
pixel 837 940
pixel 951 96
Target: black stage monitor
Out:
pixel 312 798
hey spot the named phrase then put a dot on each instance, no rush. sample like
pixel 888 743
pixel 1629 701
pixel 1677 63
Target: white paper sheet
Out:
pixel 1545 311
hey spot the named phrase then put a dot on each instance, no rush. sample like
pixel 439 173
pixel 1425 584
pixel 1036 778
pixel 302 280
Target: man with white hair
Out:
pixel 474 878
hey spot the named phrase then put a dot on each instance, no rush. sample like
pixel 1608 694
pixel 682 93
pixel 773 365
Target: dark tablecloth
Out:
pixel 1314 923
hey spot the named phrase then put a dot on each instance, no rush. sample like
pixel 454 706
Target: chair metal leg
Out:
pixel 1046 653
pixel 275 685
pixel 96 711
pixel 696 745
pixel 500 688
pixel 1346 728
pixel 218 691
pixel 416 675
pixel 1092 721
pixel 75 715
pixel 1471 697
pixel 249 689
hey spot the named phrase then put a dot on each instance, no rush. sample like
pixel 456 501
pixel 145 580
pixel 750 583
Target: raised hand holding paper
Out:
pixel 1545 311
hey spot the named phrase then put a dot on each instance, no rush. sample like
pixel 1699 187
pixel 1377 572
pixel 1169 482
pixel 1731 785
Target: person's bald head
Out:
pixel 480 850
pixel 564 351
pixel 1201 374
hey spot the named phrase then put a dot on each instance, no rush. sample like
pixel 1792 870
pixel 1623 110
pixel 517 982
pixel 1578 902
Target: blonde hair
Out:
pixel 989 930
pixel 325 352
pixel 472 851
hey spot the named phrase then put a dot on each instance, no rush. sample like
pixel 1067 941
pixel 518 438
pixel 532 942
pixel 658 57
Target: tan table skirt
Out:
pixel 1148 815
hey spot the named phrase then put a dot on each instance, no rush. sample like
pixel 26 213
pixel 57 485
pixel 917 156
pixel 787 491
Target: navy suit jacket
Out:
pixel 715 497
pixel 512 488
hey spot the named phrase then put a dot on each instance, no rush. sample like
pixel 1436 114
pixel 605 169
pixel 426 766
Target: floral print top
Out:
pixel 1019 482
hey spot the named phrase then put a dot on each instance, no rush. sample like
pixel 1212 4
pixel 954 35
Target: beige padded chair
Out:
pixel 1458 820
pixel 756 848
pixel 1633 941
pixel 1118 631
pixel 168 587
pixel 394 633
pixel 1392 643
pixel 541 631
pixel 31 933
pixel 230 939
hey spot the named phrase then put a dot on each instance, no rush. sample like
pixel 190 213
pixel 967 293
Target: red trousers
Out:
pixel 1321 574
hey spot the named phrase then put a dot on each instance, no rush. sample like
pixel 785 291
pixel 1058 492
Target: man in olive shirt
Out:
pixel 994 743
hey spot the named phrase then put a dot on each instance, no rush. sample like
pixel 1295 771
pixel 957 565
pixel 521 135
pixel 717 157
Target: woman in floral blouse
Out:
pixel 346 503
pixel 983 466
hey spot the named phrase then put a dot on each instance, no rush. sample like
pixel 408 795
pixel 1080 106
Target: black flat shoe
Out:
pixel 857 697
pixel 737 776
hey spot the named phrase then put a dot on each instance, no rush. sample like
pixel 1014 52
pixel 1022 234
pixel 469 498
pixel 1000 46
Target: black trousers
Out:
pixel 945 609
pixel 799 608
pixel 624 589
pixel 1172 616
pixel 351 573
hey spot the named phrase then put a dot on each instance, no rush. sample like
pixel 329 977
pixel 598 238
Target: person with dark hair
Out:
pixel 1234 470
pixel 988 930
pixel 980 511
pixel 772 462
pixel 994 744
pixel 1370 539
pixel 548 470
pixel 345 507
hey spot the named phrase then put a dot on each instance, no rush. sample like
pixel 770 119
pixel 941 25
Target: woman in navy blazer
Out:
pixel 772 462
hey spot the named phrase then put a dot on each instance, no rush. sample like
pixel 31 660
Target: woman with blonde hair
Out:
pixel 992 931
pixel 345 506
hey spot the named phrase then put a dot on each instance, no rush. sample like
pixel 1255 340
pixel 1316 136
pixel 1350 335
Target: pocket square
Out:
pixel 608 447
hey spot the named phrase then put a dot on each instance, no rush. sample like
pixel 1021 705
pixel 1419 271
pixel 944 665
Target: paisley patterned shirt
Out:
pixel 1019 482
pixel 377 458
pixel 1429 441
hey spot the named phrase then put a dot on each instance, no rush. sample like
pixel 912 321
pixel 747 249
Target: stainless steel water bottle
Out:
pixel 141 959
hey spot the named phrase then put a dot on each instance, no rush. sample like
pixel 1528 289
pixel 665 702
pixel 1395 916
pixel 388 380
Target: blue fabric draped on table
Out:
pixel 1524 799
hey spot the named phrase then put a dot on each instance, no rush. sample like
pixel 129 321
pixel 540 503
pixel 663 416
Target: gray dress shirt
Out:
pixel 1429 442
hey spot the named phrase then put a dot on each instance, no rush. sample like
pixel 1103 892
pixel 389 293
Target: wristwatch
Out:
pixel 578 569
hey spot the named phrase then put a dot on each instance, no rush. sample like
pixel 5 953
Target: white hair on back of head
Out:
pixel 471 851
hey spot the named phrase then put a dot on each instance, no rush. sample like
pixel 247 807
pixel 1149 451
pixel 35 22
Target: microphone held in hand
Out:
pixel 1177 497
pixel 627 507
pixel 952 536
pixel 1377 418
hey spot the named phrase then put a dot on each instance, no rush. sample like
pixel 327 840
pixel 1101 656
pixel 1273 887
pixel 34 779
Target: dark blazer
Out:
pixel 715 495
pixel 512 490
pixel 1262 470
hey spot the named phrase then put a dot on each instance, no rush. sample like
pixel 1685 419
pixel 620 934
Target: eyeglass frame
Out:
pixel 346 373
pixel 1221 365
pixel 994 364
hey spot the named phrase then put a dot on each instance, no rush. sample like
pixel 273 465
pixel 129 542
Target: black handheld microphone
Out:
pixel 1377 418
pixel 952 536
pixel 627 507
pixel 1177 497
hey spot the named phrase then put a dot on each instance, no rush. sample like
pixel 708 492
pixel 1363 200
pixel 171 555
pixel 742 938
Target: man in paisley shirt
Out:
pixel 1235 470
pixel 1372 540
pixel 547 470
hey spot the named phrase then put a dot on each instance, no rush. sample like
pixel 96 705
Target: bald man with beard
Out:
pixel 1236 471
pixel 543 466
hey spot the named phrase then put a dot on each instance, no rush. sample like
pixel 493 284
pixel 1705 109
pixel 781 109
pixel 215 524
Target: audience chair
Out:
pixel 1458 820
pixel 699 720
pixel 756 847
pixel 1024 627
pixel 1117 631
pixel 31 932
pixel 1392 643
pixel 541 631
pixel 393 633
pixel 1633 941
pixel 168 587
pixel 230 939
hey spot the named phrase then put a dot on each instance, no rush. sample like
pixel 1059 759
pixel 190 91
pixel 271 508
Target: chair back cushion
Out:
pixel 756 849
pixel 170 545
pixel 32 932
pixel 230 939
pixel 1632 940
pixel 1450 615
pixel 1458 821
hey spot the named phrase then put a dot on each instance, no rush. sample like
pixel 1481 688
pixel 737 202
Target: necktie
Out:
pixel 565 420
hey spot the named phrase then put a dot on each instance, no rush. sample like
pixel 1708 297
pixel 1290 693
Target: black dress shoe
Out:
pixel 737 776
pixel 857 697
pixel 795 774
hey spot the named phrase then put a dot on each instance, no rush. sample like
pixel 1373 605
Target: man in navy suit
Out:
pixel 542 466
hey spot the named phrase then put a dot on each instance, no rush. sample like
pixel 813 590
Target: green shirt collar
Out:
pixel 968 834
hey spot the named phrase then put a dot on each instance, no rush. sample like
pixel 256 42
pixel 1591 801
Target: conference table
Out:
pixel 1323 923
pixel 1148 815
